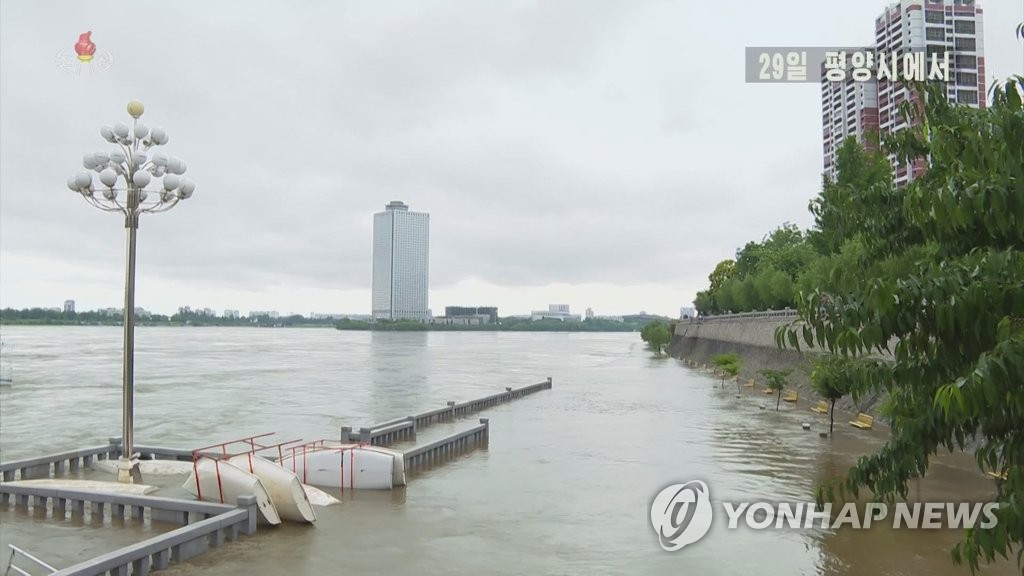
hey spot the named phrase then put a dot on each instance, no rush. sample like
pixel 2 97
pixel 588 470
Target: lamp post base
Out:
pixel 128 471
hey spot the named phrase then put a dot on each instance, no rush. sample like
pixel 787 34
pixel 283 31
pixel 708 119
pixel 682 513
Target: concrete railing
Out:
pixel 436 452
pixel 205 525
pixel 404 429
pixel 42 466
pixel 766 314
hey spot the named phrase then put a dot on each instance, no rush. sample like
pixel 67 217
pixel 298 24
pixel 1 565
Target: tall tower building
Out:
pixel 401 249
pixel 930 27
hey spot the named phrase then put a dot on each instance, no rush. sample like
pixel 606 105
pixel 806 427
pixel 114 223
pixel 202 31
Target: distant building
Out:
pixel 476 320
pixel 234 314
pixel 687 312
pixel 609 318
pixel 487 313
pixel 183 310
pixel 401 263
pixel 69 306
pixel 555 312
pixel 589 313
pixel 267 313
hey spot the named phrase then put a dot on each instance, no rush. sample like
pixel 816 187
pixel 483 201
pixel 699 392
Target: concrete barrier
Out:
pixel 204 525
pixel 56 464
pixel 432 454
pixel 404 429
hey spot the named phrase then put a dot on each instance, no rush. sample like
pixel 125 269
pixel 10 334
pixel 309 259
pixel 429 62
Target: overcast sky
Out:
pixel 601 154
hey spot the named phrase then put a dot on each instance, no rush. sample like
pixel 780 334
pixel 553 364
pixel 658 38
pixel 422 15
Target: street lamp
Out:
pixel 120 186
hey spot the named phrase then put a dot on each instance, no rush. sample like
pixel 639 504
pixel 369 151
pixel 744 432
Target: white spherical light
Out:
pixel 159 158
pixel 72 184
pixel 159 135
pixel 87 162
pixel 121 130
pixel 188 187
pixel 171 182
pixel 141 178
pixel 108 177
pixel 138 159
pixel 141 130
pixel 116 156
pixel 83 180
pixel 107 133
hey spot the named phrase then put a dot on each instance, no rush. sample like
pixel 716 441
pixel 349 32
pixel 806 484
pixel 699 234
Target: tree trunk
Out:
pixel 832 417
pixel 778 399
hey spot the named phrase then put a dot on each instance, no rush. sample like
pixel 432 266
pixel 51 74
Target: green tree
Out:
pixel 777 381
pixel 728 364
pixel 830 379
pixel 656 335
pixel 951 298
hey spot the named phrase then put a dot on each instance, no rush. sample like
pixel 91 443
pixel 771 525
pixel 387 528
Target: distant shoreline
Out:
pixel 368 328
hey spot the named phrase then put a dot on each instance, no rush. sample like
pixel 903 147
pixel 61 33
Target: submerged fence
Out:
pixel 404 429
pixel 204 525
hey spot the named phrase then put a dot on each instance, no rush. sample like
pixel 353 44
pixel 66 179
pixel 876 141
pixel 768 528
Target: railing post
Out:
pixel 346 434
pixel 249 503
pixel 412 431
pixel 451 409
pixel 365 435
pixel 115 446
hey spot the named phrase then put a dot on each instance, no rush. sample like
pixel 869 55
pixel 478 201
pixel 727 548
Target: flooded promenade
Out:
pixel 564 487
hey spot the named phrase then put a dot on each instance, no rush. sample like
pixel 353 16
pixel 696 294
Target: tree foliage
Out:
pixel 941 275
pixel 777 380
pixel 762 277
pixel 728 364
pixel 656 335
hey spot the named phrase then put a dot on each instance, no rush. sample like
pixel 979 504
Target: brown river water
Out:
pixel 564 487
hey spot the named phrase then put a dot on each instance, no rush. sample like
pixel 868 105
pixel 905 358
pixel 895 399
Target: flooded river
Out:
pixel 565 486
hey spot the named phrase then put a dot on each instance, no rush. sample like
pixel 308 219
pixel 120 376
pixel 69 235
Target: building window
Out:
pixel 934 16
pixel 967 44
pixel 966 79
pixel 967 97
pixel 964 26
pixel 965 61
pixel 935 33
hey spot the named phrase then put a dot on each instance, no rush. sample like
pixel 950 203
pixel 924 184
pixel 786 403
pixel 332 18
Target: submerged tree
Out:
pixel 777 381
pixel 951 298
pixel 830 379
pixel 729 365
pixel 656 335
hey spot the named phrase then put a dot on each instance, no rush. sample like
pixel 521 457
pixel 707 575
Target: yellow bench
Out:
pixel 769 391
pixel 791 396
pixel 821 408
pixel 863 421
pixel 751 383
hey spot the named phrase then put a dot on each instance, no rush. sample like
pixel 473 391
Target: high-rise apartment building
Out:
pixel 401 249
pixel 69 306
pixel 929 27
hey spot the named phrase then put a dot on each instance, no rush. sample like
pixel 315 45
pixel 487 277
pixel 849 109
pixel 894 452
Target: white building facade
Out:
pixel 930 27
pixel 401 263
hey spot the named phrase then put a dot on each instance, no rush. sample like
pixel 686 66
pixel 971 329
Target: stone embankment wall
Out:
pixel 752 337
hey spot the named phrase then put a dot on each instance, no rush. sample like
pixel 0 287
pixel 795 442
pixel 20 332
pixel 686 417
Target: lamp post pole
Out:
pixel 133 475
pixel 128 169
